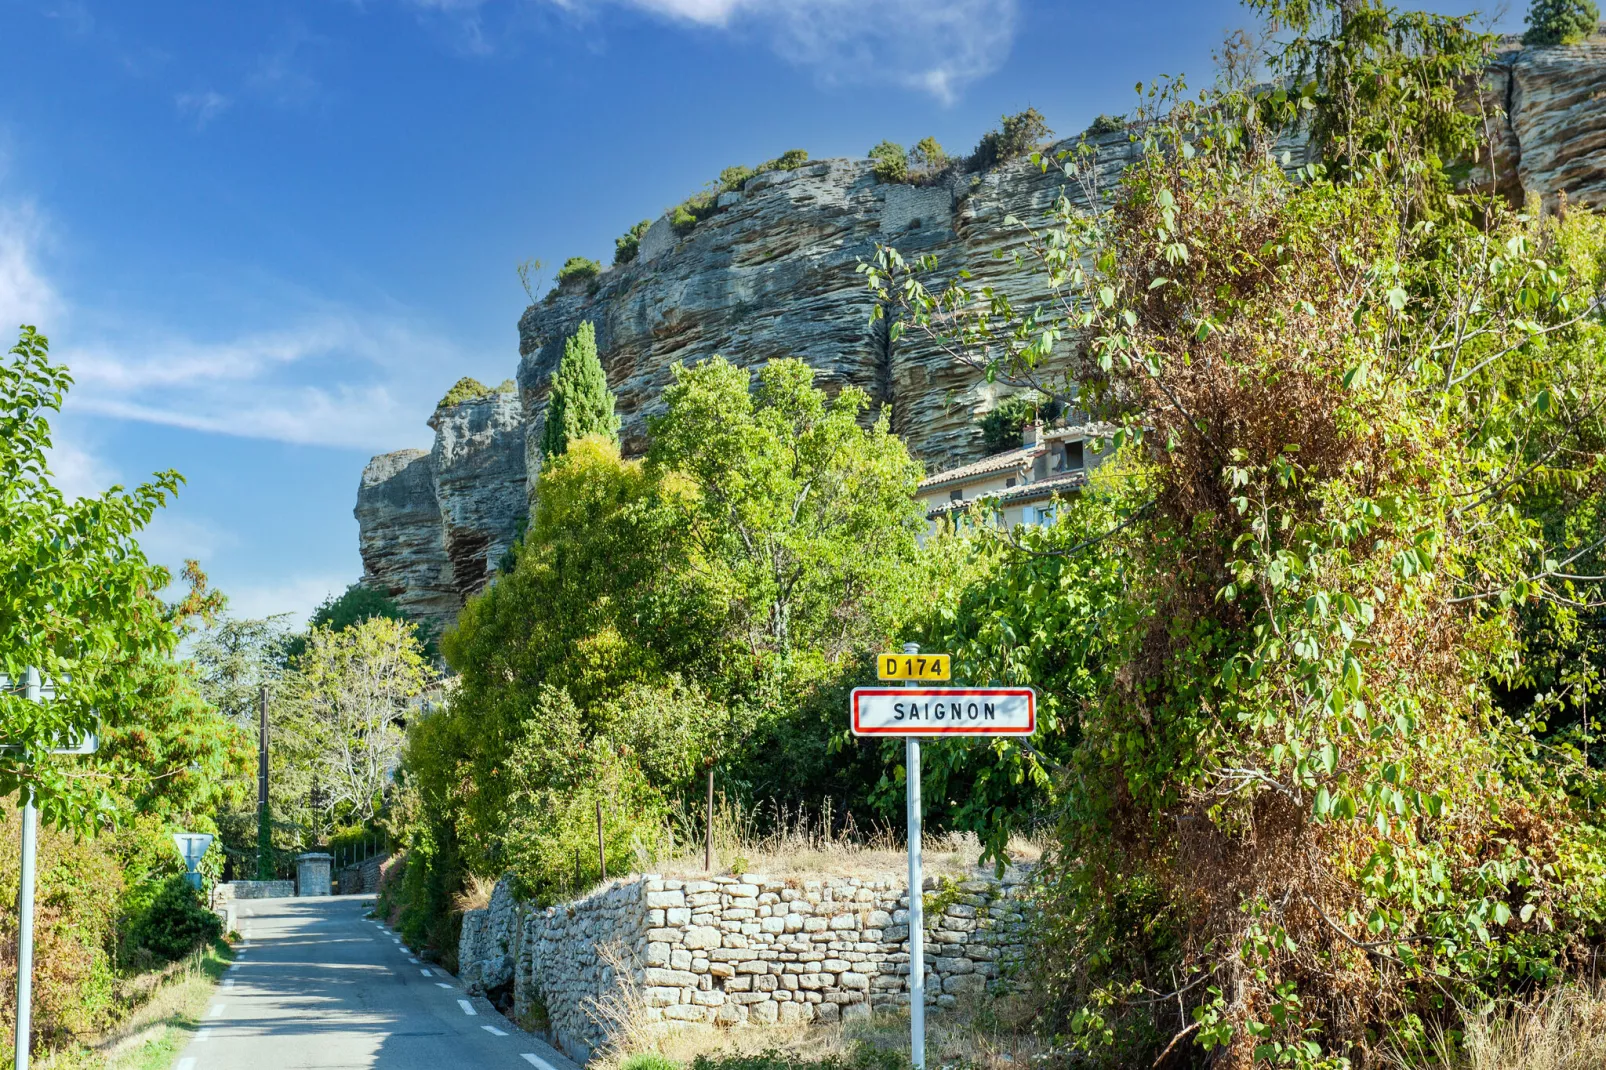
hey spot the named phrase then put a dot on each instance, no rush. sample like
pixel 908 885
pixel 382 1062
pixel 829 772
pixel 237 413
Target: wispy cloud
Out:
pixel 331 375
pixel 298 597
pixel 26 295
pixel 202 107
pixel 283 75
pixel 935 46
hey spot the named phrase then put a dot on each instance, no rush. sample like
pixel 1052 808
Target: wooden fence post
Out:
pixel 602 856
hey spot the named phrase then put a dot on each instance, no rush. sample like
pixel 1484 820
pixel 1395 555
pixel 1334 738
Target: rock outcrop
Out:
pixel 773 274
pixel 432 526
pixel 1550 137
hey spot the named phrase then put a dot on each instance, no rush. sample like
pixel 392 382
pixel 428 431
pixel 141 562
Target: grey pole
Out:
pixel 917 906
pixel 30 848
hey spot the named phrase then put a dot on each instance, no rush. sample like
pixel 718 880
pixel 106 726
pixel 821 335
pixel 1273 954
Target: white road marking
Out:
pixel 412 960
pixel 217 1012
pixel 203 1036
pixel 228 982
pixel 537 1061
pixel 426 973
pixel 442 984
pixel 468 1008
pixel 495 1032
pixel 185 1064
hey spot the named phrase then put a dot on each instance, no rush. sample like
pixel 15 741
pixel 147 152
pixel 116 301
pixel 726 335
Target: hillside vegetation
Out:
pixel 1319 648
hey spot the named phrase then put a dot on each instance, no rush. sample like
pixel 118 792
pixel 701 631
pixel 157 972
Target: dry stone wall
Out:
pixel 737 951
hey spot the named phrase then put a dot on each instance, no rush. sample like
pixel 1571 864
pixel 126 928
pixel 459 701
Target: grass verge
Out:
pixel 152 1036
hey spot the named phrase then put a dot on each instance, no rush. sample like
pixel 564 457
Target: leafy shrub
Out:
pixel 649 1060
pixel 1001 427
pixel 732 178
pixel 699 206
pixel 1561 22
pixel 628 244
pixel 891 161
pixel 1017 135
pixel 577 269
pixel 465 389
pixel 1105 124
pixel 790 160
pixel 928 154
pixel 177 922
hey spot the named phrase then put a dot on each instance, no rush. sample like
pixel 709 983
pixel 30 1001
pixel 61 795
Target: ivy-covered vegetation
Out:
pixel 1315 801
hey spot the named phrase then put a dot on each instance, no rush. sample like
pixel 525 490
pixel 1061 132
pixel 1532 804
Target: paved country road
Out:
pixel 318 985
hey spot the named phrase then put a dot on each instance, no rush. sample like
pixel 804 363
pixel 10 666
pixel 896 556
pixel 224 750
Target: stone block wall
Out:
pixel 729 951
pixel 255 890
pixel 362 878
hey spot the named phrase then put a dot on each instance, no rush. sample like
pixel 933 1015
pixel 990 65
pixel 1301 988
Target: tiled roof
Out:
pixel 1019 457
pixel 1026 492
pixel 998 462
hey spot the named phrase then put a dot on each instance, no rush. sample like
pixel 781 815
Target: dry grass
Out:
pixel 994 1035
pixel 476 894
pixel 778 841
pixel 1563 1029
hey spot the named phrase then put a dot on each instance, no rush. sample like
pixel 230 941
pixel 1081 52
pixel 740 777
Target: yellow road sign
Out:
pixel 911 667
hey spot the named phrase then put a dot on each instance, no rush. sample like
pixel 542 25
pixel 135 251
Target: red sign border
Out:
pixel 933 692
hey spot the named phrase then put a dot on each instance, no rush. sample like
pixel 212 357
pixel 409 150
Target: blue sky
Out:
pixel 267 236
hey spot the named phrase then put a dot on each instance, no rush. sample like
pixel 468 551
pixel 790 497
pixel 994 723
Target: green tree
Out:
pixel 626 245
pixel 927 154
pixel 1016 136
pixel 803 515
pixel 579 403
pixel 78 599
pixel 1561 22
pixel 343 709
pixel 891 161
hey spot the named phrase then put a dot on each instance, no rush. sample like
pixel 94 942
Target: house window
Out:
pixel 1073 455
pixel 957 495
pixel 1038 516
pixel 1010 482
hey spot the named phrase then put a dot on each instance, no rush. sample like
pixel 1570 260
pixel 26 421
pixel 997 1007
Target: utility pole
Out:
pixel 264 819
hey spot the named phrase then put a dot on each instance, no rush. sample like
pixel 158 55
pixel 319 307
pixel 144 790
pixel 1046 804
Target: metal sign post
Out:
pixel 917 897
pixel 913 712
pixel 34 689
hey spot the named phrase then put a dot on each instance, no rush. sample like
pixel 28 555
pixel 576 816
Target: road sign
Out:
pixel 944 711
pixel 192 846
pixel 911 667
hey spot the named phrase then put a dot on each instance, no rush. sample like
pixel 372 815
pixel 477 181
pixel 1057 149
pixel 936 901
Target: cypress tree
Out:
pixel 580 402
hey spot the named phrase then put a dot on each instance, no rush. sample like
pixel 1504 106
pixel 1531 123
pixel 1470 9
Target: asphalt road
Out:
pixel 318 985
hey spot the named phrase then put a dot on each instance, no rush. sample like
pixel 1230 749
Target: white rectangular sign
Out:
pixel 944 711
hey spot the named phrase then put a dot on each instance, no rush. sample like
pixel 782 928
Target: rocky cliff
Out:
pixel 772 274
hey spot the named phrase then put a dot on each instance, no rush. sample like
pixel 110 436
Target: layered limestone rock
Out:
pixel 773 274
pixel 1551 137
pixel 432 526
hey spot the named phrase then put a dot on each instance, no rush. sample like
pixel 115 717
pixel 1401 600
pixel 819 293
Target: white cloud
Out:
pixel 26 295
pixel 202 107
pixel 935 46
pixel 334 376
